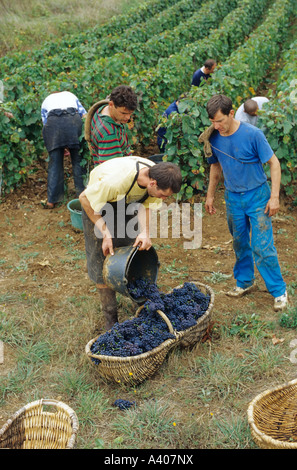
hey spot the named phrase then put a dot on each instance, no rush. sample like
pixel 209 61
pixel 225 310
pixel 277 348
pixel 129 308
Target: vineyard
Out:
pixel 49 308
pixel 156 49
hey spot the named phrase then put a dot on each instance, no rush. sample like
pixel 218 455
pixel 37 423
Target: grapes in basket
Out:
pixel 183 306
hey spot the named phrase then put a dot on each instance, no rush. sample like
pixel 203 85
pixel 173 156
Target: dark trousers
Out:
pixel 55 178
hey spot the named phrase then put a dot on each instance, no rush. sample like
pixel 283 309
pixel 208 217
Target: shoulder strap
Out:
pixel 230 156
pixel 145 196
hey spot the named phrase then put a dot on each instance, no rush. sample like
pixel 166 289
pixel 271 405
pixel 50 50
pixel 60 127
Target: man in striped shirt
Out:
pixel 109 126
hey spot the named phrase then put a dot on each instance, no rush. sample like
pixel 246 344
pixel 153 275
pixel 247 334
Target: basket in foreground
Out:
pixel 132 369
pixel 272 417
pixel 195 333
pixel 42 424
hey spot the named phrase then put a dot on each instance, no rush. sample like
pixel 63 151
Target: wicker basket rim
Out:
pixel 268 392
pixel 127 359
pixel 44 401
pixel 256 430
pixel 197 283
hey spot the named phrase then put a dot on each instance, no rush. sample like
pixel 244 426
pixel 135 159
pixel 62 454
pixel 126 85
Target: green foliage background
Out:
pixel 155 48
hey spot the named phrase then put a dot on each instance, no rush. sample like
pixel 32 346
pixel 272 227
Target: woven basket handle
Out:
pixel 90 115
pixel 162 314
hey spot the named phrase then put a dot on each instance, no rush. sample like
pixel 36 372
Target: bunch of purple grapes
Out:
pixel 183 306
pixel 124 404
pixel 132 337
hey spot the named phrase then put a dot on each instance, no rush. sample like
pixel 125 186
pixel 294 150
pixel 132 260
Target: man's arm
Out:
pixel 272 206
pixel 97 219
pixel 143 238
pixel 214 177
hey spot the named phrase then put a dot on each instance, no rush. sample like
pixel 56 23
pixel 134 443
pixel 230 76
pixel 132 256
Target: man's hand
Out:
pixel 272 206
pixel 209 207
pixel 107 246
pixel 214 177
pixel 143 241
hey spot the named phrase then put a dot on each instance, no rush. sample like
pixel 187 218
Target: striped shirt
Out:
pixel 109 139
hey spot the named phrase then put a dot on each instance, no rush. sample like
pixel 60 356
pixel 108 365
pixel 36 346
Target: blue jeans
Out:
pixel 55 177
pixel 253 239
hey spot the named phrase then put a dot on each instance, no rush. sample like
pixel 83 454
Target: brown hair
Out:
pixel 124 96
pixel 209 63
pixel 167 175
pixel 250 106
pixel 218 103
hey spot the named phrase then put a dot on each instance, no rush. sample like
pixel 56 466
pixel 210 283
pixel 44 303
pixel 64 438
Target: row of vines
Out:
pixel 238 78
pixel 156 49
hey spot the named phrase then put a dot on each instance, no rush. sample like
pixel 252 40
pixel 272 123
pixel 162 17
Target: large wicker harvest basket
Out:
pixel 132 369
pixel 42 424
pixel 272 417
pixel 195 333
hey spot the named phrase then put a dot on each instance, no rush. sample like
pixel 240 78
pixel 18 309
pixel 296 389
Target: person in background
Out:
pixel 247 112
pixel 62 114
pixel 109 125
pixel 161 139
pixel 239 151
pixel 204 72
pixel 116 190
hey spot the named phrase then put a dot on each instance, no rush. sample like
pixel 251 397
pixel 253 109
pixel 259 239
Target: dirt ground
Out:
pixel 41 254
pixel 26 227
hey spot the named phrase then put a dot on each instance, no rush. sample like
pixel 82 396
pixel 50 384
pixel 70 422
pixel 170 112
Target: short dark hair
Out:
pixel 124 96
pixel 250 106
pixel 218 103
pixel 209 63
pixel 167 175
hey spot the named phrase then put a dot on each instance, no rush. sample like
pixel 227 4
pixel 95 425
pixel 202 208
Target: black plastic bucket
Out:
pixel 127 265
pixel 156 158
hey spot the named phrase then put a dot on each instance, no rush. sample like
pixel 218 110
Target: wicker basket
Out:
pixel 272 417
pixel 133 369
pixel 89 118
pixel 195 333
pixel 32 427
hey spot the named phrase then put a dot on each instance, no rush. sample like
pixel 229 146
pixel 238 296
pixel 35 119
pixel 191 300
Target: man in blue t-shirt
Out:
pixel 204 72
pixel 239 150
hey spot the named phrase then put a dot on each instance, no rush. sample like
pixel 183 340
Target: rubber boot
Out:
pixel 109 306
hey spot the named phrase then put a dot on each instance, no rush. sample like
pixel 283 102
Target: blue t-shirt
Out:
pixel 161 139
pixel 241 156
pixel 198 76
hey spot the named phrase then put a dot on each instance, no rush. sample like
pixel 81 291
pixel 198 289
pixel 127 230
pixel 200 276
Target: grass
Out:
pixel 197 400
pixel 289 318
pixel 152 422
pixel 24 25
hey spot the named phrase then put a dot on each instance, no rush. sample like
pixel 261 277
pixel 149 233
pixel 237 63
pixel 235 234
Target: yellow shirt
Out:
pixel 111 180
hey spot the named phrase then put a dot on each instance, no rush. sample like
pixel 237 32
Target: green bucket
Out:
pixel 74 207
pixel 127 265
